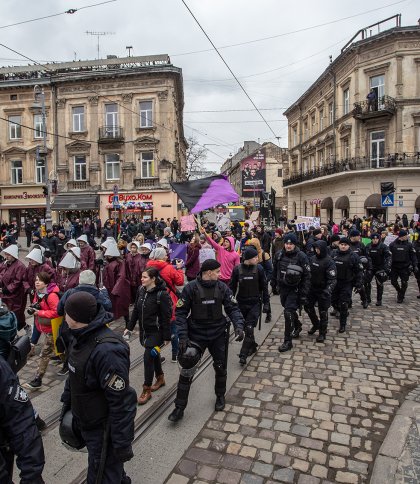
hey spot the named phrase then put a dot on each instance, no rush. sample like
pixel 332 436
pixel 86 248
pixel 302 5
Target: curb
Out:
pixel 392 448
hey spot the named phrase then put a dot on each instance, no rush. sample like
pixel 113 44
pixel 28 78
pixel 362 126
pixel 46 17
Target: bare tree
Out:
pixel 196 155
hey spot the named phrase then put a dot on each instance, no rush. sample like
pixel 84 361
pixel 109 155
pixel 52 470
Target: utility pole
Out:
pixel 39 97
pixel 98 34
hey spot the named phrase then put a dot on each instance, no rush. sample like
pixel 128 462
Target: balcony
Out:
pixel 78 185
pixel 146 182
pixel 391 160
pixel 384 107
pixel 111 134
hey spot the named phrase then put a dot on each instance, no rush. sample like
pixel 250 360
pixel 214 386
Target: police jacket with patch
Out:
pixel 282 260
pixel 416 246
pixel 323 270
pixel 199 311
pixel 403 255
pixel 249 284
pixel 380 256
pixel 97 387
pixel 359 248
pixel 153 311
pixel 348 267
pixel 18 430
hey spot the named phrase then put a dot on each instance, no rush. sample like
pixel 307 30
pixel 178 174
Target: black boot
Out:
pixel 379 302
pixel 268 318
pixel 176 415
pixel 323 326
pixel 342 328
pixel 310 310
pixel 297 327
pixel 286 346
pixel 400 297
pixel 242 360
pixel 343 316
pixel 220 403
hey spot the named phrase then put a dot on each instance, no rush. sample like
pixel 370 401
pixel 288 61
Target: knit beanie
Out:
pixel 250 253
pixel 82 307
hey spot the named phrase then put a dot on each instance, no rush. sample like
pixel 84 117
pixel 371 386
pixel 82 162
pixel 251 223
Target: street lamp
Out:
pixel 39 102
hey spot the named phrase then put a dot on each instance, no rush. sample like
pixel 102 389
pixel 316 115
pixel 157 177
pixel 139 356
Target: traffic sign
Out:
pixel 115 189
pixel 387 200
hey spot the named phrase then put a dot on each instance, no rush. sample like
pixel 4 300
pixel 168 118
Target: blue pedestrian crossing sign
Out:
pixel 387 200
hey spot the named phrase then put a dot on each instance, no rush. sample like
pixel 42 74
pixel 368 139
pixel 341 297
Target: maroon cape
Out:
pixel 12 278
pixel 67 281
pixel 87 255
pixel 118 286
pixel 134 266
pixel 33 271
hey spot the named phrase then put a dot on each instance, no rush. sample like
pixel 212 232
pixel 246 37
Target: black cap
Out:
pixel 334 238
pixel 344 240
pixel 210 265
pixel 250 253
pixel 82 307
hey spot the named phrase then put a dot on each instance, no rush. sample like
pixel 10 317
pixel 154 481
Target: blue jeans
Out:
pixel 174 339
pixel 35 335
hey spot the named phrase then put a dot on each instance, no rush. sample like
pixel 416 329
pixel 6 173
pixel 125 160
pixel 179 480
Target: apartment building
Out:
pixel 114 138
pixel 356 126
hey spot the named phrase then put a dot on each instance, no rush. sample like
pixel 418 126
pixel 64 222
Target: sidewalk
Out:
pixel 320 413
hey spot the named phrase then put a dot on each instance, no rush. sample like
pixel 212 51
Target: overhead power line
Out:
pixel 230 70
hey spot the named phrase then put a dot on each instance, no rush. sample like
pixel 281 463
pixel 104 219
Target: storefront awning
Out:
pixel 342 203
pixel 75 201
pixel 327 203
pixel 373 201
pixel 417 202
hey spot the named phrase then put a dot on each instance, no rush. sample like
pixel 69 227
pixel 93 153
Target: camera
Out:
pixel 32 308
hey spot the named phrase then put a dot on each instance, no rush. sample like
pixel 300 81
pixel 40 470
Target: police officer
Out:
pixel 349 275
pixel 249 284
pixel 201 324
pixel 357 247
pixel 19 434
pixel 97 390
pixel 292 277
pixel 323 281
pixel 404 261
pixel 380 257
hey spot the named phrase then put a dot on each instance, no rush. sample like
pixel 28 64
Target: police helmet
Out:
pixel 293 275
pixel 364 261
pixel 190 359
pixel 381 276
pixel 69 432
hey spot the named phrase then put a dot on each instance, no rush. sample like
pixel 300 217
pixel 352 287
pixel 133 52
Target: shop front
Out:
pixel 75 206
pixel 20 203
pixel 140 205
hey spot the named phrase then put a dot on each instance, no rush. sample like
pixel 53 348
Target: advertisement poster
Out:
pixel 253 174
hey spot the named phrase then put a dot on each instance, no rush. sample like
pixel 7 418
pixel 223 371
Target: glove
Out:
pixel 99 262
pixel 124 454
pixel 5 291
pixel 64 409
pixel 303 300
pixel 357 289
pixel 239 334
pixel 182 346
pixel 266 308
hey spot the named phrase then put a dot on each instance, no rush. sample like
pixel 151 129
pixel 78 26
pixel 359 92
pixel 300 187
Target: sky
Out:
pixel 273 71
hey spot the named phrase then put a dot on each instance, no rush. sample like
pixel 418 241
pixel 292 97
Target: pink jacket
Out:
pixel 228 260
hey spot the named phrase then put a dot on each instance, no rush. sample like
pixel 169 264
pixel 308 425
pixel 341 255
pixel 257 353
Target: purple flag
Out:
pixel 178 251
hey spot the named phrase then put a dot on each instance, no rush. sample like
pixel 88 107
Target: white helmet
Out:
pixel 108 241
pixel 163 243
pixel 112 251
pixel 12 250
pixel 70 242
pixel 83 238
pixel 35 255
pixel 75 251
pixel 69 261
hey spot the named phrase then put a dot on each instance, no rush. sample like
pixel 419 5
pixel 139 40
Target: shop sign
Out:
pixel 23 196
pixel 315 201
pixel 130 197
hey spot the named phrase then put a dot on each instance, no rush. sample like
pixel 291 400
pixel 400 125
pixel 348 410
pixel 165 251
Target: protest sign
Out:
pixel 178 251
pixel 389 239
pixel 188 223
pixel 223 221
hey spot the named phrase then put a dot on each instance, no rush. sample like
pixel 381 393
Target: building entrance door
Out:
pixel 377 149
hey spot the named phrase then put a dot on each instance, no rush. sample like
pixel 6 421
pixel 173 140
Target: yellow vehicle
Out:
pixel 237 212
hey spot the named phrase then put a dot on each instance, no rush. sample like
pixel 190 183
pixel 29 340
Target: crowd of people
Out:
pixel 81 276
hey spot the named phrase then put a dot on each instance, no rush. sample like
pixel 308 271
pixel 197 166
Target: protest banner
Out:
pixel 178 251
pixel 389 239
pixel 223 221
pixel 188 223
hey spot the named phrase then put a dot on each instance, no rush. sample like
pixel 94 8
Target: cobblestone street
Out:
pixel 319 413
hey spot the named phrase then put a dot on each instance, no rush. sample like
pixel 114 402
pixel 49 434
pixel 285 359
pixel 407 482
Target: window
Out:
pixel 331 113
pixel 78 113
pixel 15 128
pixel 279 172
pixel 17 173
pixel 147 165
pixel 111 117
pixel 80 168
pixel 40 170
pixel 295 137
pixel 38 126
pixel 313 125
pixel 112 163
pixel 13 97
pixel 305 129
pixel 146 114
pixel 377 83
pixel 346 101
pixel 377 149
pixel 345 149
pixel 321 119
pixel 320 159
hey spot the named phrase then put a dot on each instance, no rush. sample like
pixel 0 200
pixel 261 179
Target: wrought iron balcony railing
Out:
pixel 383 106
pixel 391 160
pixel 111 133
pixel 146 182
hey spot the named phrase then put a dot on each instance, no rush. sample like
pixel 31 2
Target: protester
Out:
pixel 192 264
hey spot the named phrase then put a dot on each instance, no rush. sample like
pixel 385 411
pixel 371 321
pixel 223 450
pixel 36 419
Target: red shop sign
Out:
pixel 131 197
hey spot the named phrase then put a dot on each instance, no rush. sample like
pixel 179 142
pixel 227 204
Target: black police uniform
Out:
pixel 102 402
pixel 349 275
pixel 199 318
pixel 380 257
pixel 293 294
pixel 19 434
pixel 403 261
pixel 416 245
pixel 323 281
pixel 249 285
pixel 360 250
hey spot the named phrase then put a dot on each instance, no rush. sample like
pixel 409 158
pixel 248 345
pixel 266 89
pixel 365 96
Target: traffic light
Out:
pixel 45 190
pixel 387 188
